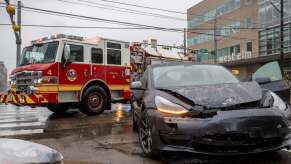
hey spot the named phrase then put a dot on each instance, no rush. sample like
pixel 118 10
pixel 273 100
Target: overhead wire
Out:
pixel 142 6
pixel 165 10
pixel 124 10
pixel 101 27
pixel 124 23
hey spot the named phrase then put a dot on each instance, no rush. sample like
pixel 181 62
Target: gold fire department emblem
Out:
pixel 71 75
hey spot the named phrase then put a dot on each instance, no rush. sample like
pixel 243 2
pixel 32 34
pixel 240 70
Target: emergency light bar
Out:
pixel 57 36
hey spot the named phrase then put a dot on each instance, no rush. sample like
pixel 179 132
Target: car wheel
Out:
pixel 58 108
pixel 134 123
pixel 145 137
pixel 94 101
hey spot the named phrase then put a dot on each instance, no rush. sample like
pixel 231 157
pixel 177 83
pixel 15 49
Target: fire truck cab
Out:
pixel 63 70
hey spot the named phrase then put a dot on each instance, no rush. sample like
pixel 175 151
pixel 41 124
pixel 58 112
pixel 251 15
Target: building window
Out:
pixel 234 50
pixel 97 55
pixel 249 46
pixel 219 10
pixel 269 46
pixel 208 36
pixel 248 22
pixel 77 53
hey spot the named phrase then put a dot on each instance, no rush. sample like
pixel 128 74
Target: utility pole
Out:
pixel 281 11
pixel 185 46
pixel 215 38
pixel 15 26
pixel 18 40
pixel 282 37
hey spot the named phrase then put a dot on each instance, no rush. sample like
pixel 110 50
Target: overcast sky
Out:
pixel 7 39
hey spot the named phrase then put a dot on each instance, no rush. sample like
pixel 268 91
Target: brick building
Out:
pixel 236 23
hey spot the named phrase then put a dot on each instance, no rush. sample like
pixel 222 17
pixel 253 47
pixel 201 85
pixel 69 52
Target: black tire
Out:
pixel 94 101
pixel 134 123
pixel 58 108
pixel 145 137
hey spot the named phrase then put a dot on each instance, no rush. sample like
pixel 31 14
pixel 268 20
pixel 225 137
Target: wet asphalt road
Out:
pixel 107 138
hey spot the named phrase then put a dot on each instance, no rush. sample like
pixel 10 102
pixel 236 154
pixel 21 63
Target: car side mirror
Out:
pixel 67 52
pixel 263 80
pixel 66 56
pixel 137 85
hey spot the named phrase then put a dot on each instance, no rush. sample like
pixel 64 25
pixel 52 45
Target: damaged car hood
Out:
pixel 221 95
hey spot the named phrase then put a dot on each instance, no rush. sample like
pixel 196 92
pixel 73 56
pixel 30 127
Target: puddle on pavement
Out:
pixel 41 120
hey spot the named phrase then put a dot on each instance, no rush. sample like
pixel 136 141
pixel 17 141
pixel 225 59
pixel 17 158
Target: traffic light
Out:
pixel 15 27
pixel 10 9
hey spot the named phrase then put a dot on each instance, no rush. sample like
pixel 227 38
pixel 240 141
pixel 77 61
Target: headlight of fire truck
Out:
pixel 12 79
pixel 37 76
pixel 47 80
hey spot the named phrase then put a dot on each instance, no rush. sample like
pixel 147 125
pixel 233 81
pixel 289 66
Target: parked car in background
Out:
pixel 205 109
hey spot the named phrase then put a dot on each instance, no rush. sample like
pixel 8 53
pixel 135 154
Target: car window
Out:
pixel 77 53
pixel 270 70
pixel 113 53
pixel 97 55
pixel 191 75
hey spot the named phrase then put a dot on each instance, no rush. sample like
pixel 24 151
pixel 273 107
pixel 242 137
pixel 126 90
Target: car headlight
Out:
pixel 278 102
pixel 166 106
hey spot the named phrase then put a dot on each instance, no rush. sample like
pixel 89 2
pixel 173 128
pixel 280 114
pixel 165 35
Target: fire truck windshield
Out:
pixel 39 54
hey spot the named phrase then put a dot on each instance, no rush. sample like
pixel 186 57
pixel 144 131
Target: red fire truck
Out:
pixel 61 71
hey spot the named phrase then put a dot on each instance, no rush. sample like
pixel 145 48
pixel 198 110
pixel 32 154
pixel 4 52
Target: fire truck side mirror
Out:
pixel 67 52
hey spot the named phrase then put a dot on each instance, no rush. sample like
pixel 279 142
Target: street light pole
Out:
pixel 215 38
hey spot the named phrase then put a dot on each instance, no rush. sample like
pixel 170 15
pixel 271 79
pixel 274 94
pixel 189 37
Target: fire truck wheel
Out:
pixel 95 101
pixel 58 108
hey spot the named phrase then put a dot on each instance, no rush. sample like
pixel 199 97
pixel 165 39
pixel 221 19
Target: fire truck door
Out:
pixel 74 74
pixel 97 66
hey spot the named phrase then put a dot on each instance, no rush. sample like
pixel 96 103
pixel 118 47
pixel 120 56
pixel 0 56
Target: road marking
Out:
pixel 20 132
pixel 17 117
pixel 21 120
pixel 30 125
pixel 14 114
pixel 18 111
pixel 18 120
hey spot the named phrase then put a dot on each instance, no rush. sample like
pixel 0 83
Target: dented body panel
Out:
pixel 222 119
pixel 228 133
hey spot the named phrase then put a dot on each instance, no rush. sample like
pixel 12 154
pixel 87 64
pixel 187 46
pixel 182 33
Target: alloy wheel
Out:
pixel 145 136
